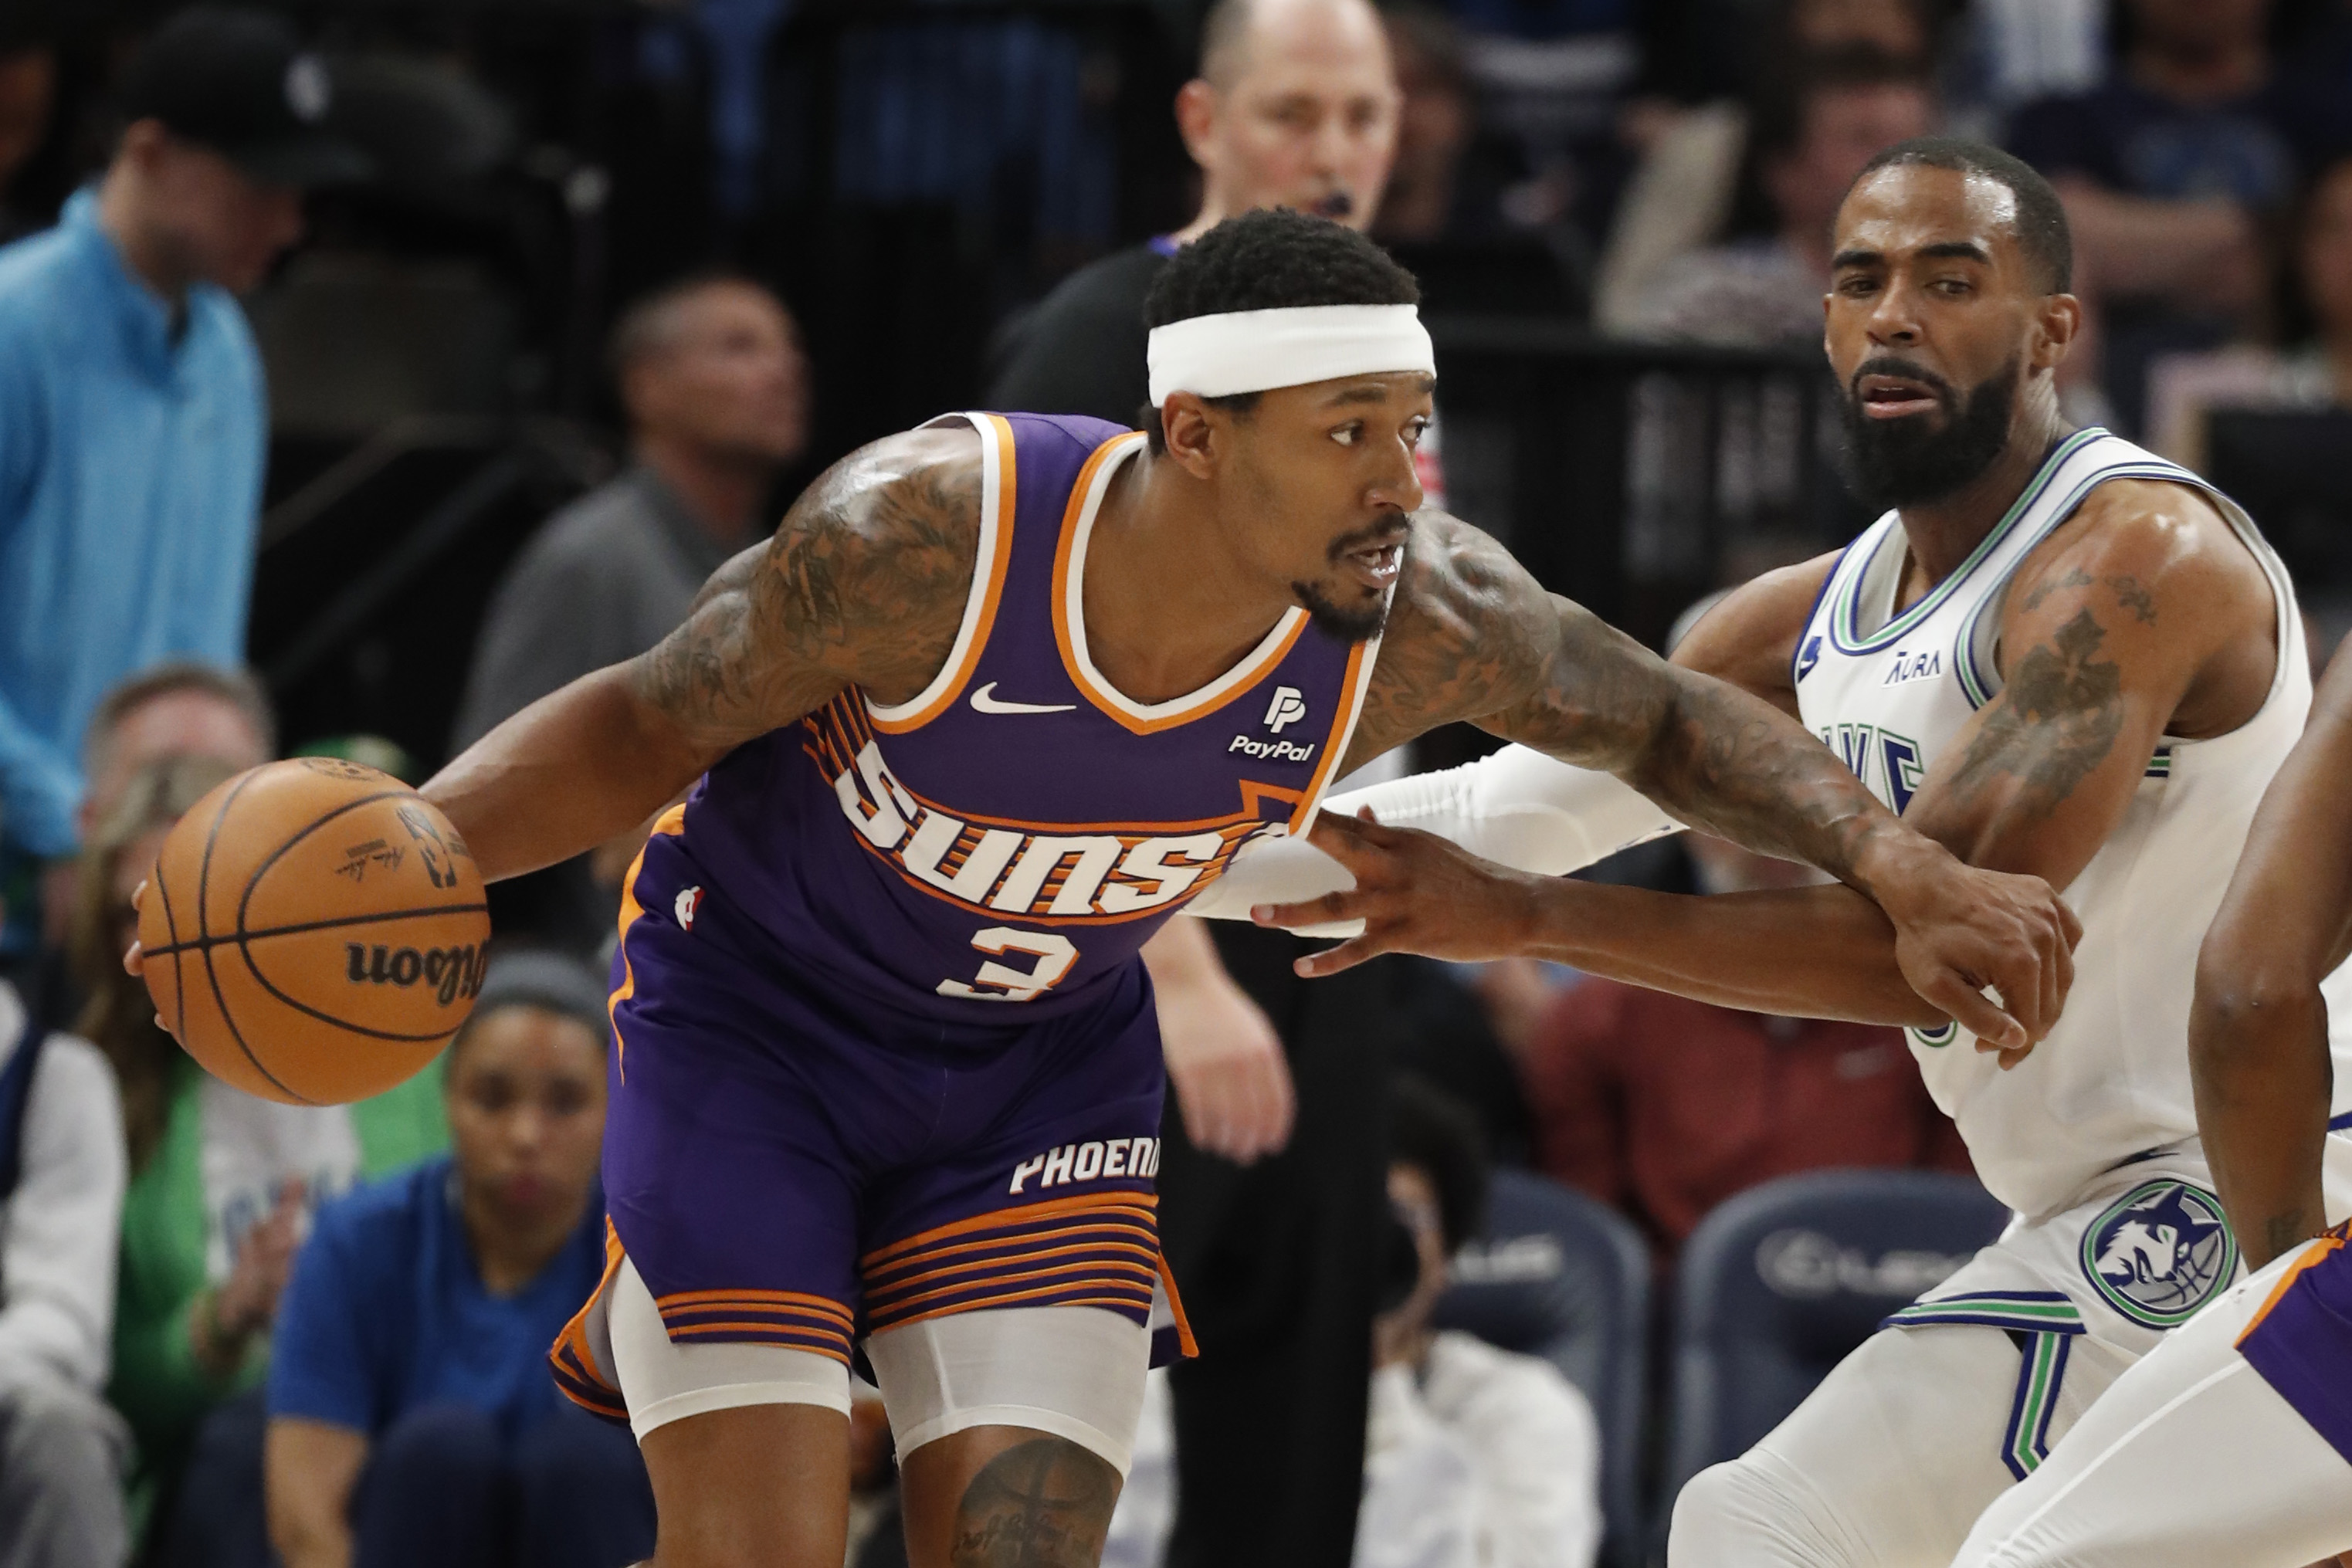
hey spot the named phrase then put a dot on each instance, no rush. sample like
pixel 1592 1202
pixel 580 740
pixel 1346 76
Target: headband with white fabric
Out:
pixel 1256 350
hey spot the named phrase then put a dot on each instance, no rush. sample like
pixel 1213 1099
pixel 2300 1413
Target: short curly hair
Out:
pixel 1270 259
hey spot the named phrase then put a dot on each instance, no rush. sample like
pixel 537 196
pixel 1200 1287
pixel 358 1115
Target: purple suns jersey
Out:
pixel 998 847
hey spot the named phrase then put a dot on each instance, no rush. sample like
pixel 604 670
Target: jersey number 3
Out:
pixel 1003 982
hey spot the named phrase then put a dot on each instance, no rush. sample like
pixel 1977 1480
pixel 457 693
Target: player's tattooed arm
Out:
pixel 2258 1033
pixel 864 582
pixel 2142 617
pixel 1474 638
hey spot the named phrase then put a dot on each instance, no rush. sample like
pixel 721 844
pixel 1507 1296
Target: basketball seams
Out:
pixel 304 927
pixel 171 929
pixel 252 881
pixel 204 931
pixel 303 1029
pixel 345 1025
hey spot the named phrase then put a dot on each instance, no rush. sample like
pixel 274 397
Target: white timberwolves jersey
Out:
pixel 1888 693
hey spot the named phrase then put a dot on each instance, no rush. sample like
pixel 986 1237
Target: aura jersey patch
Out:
pixel 2160 1252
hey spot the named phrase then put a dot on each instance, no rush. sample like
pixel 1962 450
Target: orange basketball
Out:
pixel 314 931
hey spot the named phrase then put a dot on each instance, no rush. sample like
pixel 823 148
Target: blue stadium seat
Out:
pixel 1560 1276
pixel 1780 1282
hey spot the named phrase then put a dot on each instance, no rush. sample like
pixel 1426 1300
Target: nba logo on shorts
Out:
pixel 2160 1252
pixel 688 901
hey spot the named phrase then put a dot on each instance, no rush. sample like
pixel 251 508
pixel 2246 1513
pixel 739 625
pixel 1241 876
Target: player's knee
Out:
pixel 1739 1515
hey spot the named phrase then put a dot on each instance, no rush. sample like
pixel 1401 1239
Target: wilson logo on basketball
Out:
pixel 451 972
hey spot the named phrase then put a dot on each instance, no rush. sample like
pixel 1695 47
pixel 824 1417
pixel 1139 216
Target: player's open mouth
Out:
pixel 1895 397
pixel 1377 564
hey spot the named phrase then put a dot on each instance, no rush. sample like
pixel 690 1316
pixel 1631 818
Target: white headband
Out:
pixel 1254 350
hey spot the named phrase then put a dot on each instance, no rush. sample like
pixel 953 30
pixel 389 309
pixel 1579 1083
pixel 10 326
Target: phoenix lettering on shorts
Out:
pixel 1012 868
pixel 1090 1161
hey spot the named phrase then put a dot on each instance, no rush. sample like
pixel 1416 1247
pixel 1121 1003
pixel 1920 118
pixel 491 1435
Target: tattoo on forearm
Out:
pixel 2053 725
pixel 1043 1504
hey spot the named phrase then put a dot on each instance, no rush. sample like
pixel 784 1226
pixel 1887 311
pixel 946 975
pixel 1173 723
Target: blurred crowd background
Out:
pixel 560 305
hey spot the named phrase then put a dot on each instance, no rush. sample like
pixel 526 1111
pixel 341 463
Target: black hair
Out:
pixel 2043 232
pixel 1270 259
pixel 1436 1135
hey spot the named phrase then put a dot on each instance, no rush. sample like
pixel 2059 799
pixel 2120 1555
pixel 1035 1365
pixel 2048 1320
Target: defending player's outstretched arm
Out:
pixel 1473 637
pixel 864 582
pixel 2258 1033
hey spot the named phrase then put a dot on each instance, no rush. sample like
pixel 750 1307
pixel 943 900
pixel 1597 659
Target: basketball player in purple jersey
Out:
pixel 1002 694
pixel 2231 1441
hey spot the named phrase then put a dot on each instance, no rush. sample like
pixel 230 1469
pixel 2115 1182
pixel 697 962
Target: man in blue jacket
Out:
pixel 132 418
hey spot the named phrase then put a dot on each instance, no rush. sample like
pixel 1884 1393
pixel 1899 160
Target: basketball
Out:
pixel 314 931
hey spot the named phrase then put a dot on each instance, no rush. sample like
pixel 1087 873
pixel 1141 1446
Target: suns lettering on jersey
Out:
pixel 1889 765
pixel 1011 870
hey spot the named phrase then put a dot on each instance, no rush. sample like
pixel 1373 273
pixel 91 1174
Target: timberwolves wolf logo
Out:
pixel 2160 1252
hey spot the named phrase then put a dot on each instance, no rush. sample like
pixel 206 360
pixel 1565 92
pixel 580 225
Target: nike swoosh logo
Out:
pixel 984 701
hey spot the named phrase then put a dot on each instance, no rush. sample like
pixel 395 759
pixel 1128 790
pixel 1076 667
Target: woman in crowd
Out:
pixel 411 1415
pixel 221 1182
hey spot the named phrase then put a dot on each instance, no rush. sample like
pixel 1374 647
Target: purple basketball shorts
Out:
pixel 789 1164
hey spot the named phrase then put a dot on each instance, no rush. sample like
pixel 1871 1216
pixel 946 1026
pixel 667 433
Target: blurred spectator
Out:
pixel 2011 52
pixel 180 707
pixel 61 1176
pixel 1475 1454
pixel 220 1181
pixel 2170 170
pixel 1812 135
pixel 1447 211
pixel 1699 175
pixel 717 390
pixel 2316 373
pixel 131 431
pixel 28 101
pixel 410 1411
pixel 1296 106
pixel 1663 1107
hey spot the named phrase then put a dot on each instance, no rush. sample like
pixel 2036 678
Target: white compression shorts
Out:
pixel 1077 1373
pixel 1516 807
pixel 2190 1461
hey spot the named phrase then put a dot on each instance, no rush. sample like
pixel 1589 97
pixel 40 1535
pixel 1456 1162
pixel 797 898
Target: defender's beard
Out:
pixel 1911 461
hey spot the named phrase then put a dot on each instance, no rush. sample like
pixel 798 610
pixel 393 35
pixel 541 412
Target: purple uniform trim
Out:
pixel 2302 1341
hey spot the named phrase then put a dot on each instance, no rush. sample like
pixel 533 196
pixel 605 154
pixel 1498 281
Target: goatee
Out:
pixel 1914 460
pixel 1358 626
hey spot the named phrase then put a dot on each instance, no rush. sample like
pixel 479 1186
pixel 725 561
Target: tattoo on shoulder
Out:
pixel 1045 1503
pixel 865 581
pixel 2054 724
pixel 2129 591
pixel 1466 636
